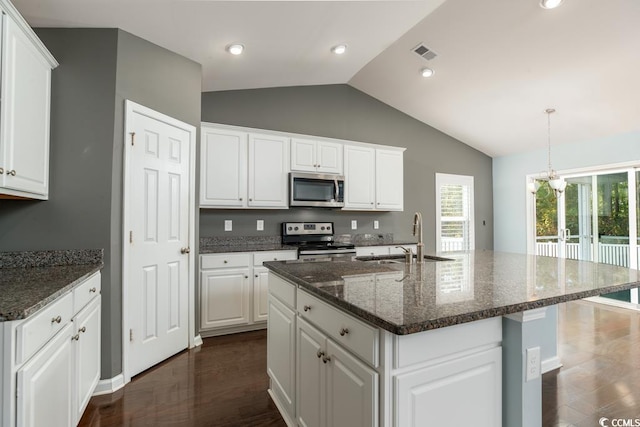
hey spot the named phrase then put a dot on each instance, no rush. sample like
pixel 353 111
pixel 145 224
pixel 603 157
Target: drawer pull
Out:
pixel 93 289
pixel 344 331
pixel 256 275
pixel 12 172
pixel 320 353
pixel 225 261
pixel 83 329
pixel 275 259
pixel 326 359
pixel 307 307
pixel 246 277
pixel 76 337
pixel 56 319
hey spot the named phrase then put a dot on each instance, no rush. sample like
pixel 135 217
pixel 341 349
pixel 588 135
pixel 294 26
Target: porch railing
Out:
pixel 616 254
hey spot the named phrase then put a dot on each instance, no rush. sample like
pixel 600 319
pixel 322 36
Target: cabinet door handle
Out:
pixel 306 308
pixel 185 250
pixel 76 337
pixel 12 172
pixel 83 329
pixel 326 359
pixel 56 319
pixel 344 331
pixel 93 289
pixel 320 353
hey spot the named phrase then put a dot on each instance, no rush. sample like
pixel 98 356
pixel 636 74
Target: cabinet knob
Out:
pixel 185 250
pixel 93 289
pixel 240 199
pixel 225 261
pixel 250 199
pixel 326 359
pixel 56 319
pixel 306 308
pixel 82 330
pixel 320 353
pixel 371 203
pixel 246 277
pixel 76 337
pixel 256 275
pixel 344 331
pixel 1 171
pixel 12 172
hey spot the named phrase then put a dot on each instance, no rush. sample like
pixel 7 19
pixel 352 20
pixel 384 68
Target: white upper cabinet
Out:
pixel 373 178
pixel 25 109
pixel 316 156
pixel 243 169
pixel 223 168
pixel 268 169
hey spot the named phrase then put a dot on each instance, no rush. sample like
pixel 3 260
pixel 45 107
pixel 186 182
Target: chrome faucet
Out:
pixel 408 254
pixel 417 231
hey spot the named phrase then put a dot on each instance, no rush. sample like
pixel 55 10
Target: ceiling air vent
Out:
pixel 424 52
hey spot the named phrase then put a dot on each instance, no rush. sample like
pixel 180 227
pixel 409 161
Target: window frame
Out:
pixel 452 179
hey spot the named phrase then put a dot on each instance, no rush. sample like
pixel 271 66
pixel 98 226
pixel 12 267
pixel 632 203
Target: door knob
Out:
pixel 185 250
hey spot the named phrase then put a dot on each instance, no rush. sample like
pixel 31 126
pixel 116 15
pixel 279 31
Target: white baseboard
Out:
pixel 109 386
pixel 550 364
pixel 197 341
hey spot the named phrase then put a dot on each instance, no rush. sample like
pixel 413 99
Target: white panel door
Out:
pixel 223 167
pixel 86 355
pixel 225 298
pixel 260 294
pixel 351 391
pixel 26 83
pixel 389 180
pixel 303 155
pixel 359 173
pixel 44 385
pixel 158 273
pixel 268 169
pixel 329 155
pixel 310 376
pixel 281 353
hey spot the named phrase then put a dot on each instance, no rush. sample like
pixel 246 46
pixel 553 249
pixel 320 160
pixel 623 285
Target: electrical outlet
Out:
pixel 354 224
pixel 376 224
pixel 533 364
pixel 228 225
pixel 260 225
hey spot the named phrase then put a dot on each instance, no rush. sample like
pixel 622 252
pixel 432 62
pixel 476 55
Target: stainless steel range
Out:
pixel 315 241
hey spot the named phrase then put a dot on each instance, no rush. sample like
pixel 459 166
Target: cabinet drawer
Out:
pixel 34 332
pixel 225 260
pixel 351 333
pixel 372 250
pixel 283 290
pixel 260 257
pixel 85 292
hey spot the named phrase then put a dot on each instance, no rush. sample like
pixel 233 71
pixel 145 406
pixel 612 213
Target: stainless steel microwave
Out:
pixel 316 190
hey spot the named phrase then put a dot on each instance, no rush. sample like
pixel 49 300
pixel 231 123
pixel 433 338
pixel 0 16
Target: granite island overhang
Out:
pixel 473 317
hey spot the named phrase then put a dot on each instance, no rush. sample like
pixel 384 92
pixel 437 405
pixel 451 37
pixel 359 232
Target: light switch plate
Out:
pixel 228 225
pixel 376 224
pixel 260 225
pixel 354 224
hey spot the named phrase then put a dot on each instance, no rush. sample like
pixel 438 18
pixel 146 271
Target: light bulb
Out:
pixel 339 49
pixel 235 49
pixel 533 186
pixel 550 4
pixel 427 72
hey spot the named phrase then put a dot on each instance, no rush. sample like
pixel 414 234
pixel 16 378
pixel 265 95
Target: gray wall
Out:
pixel 340 111
pixel 99 69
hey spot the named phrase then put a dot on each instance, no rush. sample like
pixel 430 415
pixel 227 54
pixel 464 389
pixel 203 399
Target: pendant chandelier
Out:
pixel 556 183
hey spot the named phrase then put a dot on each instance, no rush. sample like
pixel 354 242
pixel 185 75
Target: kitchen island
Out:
pixel 441 343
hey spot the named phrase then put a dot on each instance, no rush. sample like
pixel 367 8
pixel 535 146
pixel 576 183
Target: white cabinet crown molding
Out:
pixel 13 13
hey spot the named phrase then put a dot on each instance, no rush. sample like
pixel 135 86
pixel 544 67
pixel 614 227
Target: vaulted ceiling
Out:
pixel 499 63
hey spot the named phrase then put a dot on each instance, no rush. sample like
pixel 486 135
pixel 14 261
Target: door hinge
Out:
pixel 133 138
pixel 131 236
pixel 130 334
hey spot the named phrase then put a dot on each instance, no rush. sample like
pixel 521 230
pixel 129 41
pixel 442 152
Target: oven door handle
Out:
pixel 327 252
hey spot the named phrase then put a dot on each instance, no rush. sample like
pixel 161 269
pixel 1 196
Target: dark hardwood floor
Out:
pixel 224 382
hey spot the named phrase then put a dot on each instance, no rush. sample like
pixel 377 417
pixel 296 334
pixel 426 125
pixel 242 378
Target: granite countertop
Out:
pixel 31 280
pixel 405 299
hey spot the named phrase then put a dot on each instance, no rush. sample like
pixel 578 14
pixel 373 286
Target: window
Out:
pixel 454 212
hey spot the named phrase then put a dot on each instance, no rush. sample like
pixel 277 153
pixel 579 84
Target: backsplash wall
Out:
pixel 340 111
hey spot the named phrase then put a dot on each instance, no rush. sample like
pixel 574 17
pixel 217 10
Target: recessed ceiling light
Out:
pixel 235 49
pixel 550 4
pixel 427 72
pixel 339 49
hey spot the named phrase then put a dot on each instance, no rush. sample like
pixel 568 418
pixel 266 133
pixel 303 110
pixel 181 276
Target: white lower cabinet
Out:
pixel 44 384
pixel 50 362
pixel 334 388
pixel 281 354
pixel 234 289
